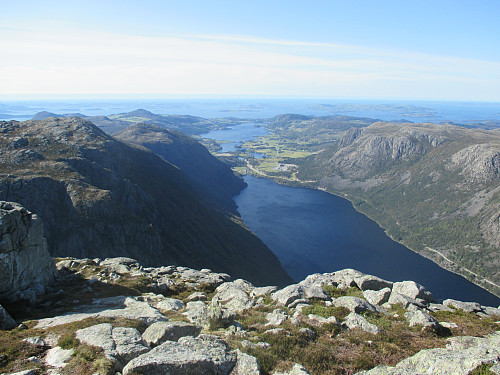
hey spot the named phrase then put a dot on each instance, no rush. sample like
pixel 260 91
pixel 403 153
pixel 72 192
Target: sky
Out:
pixel 355 49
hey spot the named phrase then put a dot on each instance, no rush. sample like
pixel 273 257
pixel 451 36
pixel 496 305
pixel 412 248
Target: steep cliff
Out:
pixel 211 177
pixel 99 197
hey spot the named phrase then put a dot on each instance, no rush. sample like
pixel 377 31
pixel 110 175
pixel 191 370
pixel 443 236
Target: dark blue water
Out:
pixel 312 231
pixel 235 136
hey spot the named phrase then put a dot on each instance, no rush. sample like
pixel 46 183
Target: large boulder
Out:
pixel 354 304
pixel 205 354
pixel 26 267
pixel 413 290
pixel 159 332
pixel 354 320
pixel 120 344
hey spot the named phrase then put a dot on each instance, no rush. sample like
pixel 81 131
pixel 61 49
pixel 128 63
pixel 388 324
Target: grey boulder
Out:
pixel 158 333
pixel 205 354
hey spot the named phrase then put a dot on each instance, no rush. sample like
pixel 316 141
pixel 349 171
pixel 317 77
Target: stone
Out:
pixel 170 304
pixel 369 282
pixel 6 321
pixel 413 290
pixel 25 372
pixel 118 261
pixel 197 312
pixel 461 356
pixel 495 368
pixel 354 320
pixel 35 341
pixel 317 320
pixel 468 307
pixel 197 296
pixel 26 268
pixel 296 370
pixel 315 292
pixel 205 354
pixel 112 307
pixel 288 294
pixel 246 364
pixel 234 296
pixel 491 311
pixel 120 344
pixel 262 291
pixel 421 318
pixel 354 304
pixel 438 307
pixel 58 357
pixel 397 298
pixel 448 325
pixel 158 333
pixel 298 302
pixel 307 332
pixel 276 318
pixel 377 297
pixel 277 331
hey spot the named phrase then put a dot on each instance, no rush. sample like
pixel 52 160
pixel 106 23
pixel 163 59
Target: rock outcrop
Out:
pixel 26 267
pixel 233 325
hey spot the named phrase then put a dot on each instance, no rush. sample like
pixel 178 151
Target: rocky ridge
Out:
pixel 434 188
pixel 100 197
pixel 132 319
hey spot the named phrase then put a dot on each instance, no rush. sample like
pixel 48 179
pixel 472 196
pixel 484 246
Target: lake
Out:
pixel 312 231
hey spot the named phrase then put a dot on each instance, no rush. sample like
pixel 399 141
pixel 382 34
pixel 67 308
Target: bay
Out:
pixel 312 231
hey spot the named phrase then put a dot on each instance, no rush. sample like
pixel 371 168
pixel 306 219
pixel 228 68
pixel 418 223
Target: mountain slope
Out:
pixel 99 197
pixel 435 188
pixel 214 179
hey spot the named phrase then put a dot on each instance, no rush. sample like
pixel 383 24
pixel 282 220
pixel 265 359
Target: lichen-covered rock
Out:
pixel 246 364
pixel 288 294
pixel 205 354
pixel 276 318
pixel 113 307
pixel 465 306
pixel 120 344
pixel 26 267
pixel 160 332
pixel 377 297
pixel 421 318
pixel 461 355
pixel 170 304
pixel 413 290
pixel 234 296
pixel 354 320
pixel 296 370
pixel 58 357
pixel 354 304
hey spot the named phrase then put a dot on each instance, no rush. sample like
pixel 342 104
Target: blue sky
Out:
pixel 446 50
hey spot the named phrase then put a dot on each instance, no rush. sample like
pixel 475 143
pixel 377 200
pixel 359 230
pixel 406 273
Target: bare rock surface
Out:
pixel 354 320
pixel 461 355
pixel 354 304
pixel 205 354
pixel 125 307
pixel 159 332
pixel 26 267
pixel 120 344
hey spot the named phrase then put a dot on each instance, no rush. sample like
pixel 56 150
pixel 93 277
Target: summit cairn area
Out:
pixel 115 316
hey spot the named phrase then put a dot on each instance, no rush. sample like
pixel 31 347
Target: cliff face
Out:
pixel 212 178
pixel 435 188
pixel 99 197
pixel 26 268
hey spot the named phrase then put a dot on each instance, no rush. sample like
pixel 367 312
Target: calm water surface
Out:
pixel 312 231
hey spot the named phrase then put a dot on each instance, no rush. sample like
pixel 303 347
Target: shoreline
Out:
pixel 447 264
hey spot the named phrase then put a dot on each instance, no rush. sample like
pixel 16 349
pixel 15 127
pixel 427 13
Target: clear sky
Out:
pixel 366 49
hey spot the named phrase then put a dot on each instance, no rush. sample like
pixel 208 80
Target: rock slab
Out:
pixel 26 267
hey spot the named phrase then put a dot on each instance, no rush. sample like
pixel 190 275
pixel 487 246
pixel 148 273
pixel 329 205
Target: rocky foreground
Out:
pixel 115 316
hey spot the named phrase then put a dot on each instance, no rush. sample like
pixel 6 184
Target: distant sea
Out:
pixel 414 111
